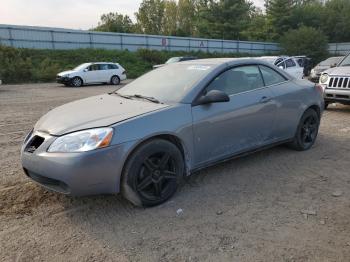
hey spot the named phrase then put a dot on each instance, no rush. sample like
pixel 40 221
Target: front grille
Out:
pixel 339 83
pixel 34 144
pixel 50 183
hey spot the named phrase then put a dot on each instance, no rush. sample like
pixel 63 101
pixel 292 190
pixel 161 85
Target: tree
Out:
pixel 305 40
pixel 186 15
pixel 204 19
pixel 279 16
pixel 170 19
pixel 115 22
pixel 310 14
pixel 336 22
pixel 150 16
pixel 258 28
pixel 224 18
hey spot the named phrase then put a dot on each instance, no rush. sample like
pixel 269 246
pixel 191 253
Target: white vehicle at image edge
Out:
pixel 286 63
pixel 336 83
pixel 93 73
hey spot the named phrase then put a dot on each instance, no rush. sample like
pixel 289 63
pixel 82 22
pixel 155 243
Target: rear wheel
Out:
pixel 115 80
pixel 307 131
pixel 152 173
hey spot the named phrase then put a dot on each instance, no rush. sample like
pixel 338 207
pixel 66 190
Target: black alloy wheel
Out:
pixel 152 173
pixel 307 131
pixel 156 176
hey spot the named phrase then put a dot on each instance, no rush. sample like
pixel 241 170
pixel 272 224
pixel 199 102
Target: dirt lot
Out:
pixel 249 209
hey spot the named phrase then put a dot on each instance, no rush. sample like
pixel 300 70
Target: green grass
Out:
pixel 32 65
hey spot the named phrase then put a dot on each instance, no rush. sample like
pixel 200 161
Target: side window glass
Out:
pixel 290 63
pixel 271 77
pixel 301 62
pixel 237 80
pixel 112 66
pixel 104 67
pixel 94 67
pixel 281 64
pixel 278 60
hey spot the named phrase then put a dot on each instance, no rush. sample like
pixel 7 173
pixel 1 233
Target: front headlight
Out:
pixel 324 78
pixel 82 141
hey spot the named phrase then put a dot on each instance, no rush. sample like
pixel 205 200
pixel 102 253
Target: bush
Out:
pixel 33 65
pixel 305 41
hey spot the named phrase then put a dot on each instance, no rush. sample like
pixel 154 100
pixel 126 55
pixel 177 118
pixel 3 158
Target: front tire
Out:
pixel 152 173
pixel 307 131
pixel 77 82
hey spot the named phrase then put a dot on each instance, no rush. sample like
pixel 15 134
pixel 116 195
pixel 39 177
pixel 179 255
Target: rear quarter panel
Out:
pixel 294 98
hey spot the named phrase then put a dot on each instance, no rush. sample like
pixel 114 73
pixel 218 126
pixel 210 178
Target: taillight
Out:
pixel 124 72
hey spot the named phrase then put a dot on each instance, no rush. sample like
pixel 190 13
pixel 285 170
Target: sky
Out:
pixel 74 14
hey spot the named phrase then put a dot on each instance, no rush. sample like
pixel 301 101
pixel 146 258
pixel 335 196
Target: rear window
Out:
pixel 271 77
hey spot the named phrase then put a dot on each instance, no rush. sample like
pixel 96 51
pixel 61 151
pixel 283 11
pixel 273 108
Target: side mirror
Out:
pixel 281 67
pixel 334 65
pixel 213 96
pixel 86 69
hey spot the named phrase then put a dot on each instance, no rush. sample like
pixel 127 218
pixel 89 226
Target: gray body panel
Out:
pixel 207 133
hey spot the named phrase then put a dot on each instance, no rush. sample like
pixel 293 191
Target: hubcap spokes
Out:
pixel 155 175
pixel 309 129
pixel 76 82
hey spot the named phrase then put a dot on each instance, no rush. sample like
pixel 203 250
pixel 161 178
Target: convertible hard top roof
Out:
pixel 219 61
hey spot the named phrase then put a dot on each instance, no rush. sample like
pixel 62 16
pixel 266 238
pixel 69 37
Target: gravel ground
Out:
pixel 276 205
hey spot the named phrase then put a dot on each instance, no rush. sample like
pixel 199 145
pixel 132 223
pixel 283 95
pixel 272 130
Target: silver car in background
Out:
pixel 142 139
pixel 323 66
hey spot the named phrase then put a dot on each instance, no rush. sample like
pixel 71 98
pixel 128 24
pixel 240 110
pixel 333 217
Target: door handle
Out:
pixel 265 99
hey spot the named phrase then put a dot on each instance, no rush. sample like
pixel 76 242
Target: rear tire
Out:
pixel 307 131
pixel 152 173
pixel 115 80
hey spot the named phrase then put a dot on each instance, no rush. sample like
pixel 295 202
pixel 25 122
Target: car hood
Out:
pixel 341 71
pixel 321 67
pixel 66 72
pixel 96 111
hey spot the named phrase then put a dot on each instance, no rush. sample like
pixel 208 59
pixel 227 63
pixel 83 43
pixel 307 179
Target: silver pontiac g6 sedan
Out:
pixel 142 139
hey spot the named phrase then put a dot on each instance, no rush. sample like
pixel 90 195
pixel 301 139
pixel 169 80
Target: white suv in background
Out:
pixel 286 63
pixel 336 83
pixel 91 73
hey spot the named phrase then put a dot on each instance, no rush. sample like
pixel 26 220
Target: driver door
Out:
pixel 245 122
pixel 92 75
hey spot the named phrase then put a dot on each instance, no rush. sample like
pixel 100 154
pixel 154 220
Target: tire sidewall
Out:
pixel 81 82
pixel 134 164
pixel 298 140
pixel 115 77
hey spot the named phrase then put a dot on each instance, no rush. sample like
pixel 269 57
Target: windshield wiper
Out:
pixel 149 98
pixel 123 96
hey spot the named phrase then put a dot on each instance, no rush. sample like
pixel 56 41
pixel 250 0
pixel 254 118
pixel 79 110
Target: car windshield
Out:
pixel 345 62
pixel 167 84
pixel 330 61
pixel 81 67
pixel 173 60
